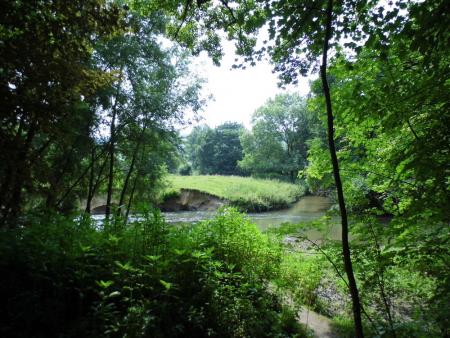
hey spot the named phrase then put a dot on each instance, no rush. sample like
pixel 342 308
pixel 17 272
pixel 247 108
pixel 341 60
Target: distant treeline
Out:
pixel 275 147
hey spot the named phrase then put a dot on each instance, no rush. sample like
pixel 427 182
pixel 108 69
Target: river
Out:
pixel 306 209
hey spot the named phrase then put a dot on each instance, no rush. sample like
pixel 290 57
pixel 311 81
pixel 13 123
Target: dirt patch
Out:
pixel 192 200
pixel 320 325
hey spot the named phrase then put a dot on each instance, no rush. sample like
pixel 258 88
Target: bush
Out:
pixel 185 170
pixel 69 278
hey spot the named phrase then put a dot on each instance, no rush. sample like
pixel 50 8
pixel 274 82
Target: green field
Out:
pixel 246 193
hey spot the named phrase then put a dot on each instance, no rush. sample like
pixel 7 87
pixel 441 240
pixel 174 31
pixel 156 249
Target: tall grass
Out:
pixel 248 193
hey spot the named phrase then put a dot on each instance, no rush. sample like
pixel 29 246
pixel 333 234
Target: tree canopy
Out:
pixel 277 143
pixel 215 151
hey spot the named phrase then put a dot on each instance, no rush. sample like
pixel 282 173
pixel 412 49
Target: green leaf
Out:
pixel 166 285
pixel 114 294
pixel 104 284
pixel 152 258
pixel 127 266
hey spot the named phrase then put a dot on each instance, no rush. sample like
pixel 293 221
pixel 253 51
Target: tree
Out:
pixel 392 134
pixel 147 99
pixel 215 151
pixel 227 149
pixel 91 67
pixel 303 34
pixel 277 144
pixel 46 81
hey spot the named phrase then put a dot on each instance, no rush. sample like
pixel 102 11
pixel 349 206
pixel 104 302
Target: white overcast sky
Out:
pixel 238 93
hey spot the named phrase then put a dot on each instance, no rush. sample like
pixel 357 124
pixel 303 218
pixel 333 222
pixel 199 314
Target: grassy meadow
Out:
pixel 247 193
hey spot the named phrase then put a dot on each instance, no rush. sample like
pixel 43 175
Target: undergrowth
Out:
pixel 71 278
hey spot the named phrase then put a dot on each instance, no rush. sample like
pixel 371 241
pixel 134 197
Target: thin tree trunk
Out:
pixel 20 173
pixel 130 170
pixel 112 150
pixel 130 200
pixel 96 185
pixel 98 180
pixel 56 180
pixel 127 178
pixel 337 178
pixel 111 164
pixel 91 183
pixel 78 180
pixel 381 284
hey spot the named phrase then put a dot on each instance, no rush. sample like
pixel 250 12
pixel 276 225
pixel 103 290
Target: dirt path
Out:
pixel 320 325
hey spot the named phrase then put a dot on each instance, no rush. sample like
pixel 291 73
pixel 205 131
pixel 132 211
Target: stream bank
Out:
pixel 192 200
pixel 192 207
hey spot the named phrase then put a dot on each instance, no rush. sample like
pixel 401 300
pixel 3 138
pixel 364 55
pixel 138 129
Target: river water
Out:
pixel 306 209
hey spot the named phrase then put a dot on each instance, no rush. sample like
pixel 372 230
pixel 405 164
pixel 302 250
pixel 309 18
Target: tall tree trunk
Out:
pixel 130 200
pixel 98 180
pixel 111 164
pixel 112 149
pixel 91 183
pixel 19 174
pixel 55 181
pixel 78 180
pixel 337 178
pixel 381 283
pixel 130 170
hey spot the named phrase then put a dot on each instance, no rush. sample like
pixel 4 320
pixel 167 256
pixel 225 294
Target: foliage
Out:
pixel 146 279
pixel 300 277
pixel 400 289
pixel 71 71
pixel 391 121
pixel 47 83
pixel 91 108
pixel 277 144
pixel 247 193
pixel 153 90
pixel 215 151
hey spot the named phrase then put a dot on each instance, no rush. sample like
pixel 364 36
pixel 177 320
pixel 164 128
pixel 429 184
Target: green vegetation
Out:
pixel 214 151
pixel 387 280
pixel 90 110
pixel 277 145
pixel 90 93
pixel 247 193
pixel 144 280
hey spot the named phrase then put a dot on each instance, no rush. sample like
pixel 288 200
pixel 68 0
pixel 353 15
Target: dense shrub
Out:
pixel 66 278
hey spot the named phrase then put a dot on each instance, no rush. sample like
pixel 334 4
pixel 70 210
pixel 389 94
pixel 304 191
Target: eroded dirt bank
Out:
pixel 192 200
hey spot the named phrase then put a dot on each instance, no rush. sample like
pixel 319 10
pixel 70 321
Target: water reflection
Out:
pixel 308 208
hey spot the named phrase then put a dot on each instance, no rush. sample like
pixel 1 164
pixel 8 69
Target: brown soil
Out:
pixel 320 325
pixel 192 200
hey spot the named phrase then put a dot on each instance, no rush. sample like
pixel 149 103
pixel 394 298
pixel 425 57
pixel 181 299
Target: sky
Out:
pixel 238 93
